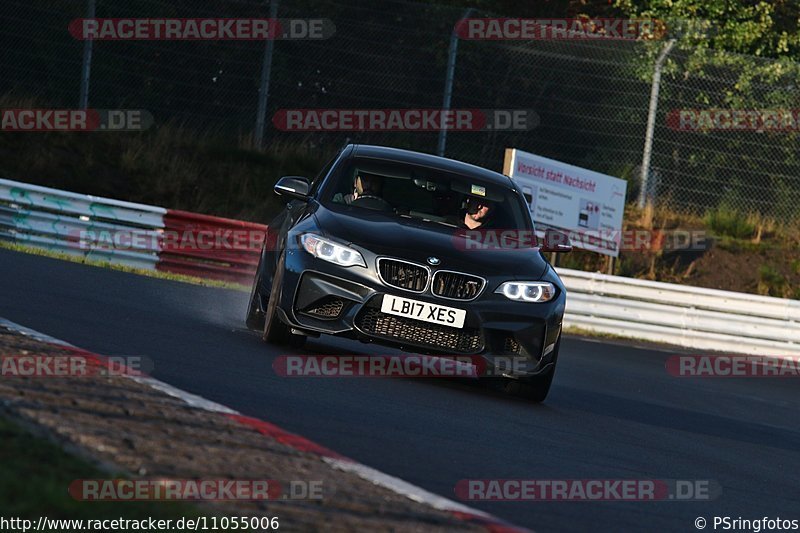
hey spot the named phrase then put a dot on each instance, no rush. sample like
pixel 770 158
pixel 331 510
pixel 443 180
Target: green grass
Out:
pixel 35 475
pixel 771 281
pixel 582 332
pixel 728 222
pixel 168 165
pixel 736 246
pixel 577 331
pixel 122 268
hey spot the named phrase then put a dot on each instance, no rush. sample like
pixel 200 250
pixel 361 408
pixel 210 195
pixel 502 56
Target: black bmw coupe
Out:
pixel 416 252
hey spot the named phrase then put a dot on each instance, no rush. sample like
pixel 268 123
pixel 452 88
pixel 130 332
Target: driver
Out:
pixel 478 213
pixel 367 192
pixel 366 186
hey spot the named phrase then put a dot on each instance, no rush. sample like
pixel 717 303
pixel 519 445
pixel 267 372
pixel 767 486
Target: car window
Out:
pixel 407 191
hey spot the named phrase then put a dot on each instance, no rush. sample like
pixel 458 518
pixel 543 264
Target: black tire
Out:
pixel 296 341
pixel 535 389
pixel 255 316
pixel 275 331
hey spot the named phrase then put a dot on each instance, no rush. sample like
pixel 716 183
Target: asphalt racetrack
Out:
pixel 613 413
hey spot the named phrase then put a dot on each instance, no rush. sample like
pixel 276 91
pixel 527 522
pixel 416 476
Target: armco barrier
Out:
pixel 694 317
pixel 55 220
pixel 155 238
pixel 235 260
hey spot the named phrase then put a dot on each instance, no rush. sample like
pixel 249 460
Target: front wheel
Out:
pixel 275 331
pixel 536 388
pixel 255 316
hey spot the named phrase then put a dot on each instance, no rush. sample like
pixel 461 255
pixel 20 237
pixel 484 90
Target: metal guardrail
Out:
pixel 235 260
pixel 89 226
pixel 693 317
pixel 56 220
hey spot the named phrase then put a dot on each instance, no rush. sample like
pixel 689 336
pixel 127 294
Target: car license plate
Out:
pixel 436 314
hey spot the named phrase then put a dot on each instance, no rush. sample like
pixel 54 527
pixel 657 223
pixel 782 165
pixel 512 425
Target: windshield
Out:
pixel 414 192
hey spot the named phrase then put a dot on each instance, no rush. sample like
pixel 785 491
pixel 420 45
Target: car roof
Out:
pixel 431 161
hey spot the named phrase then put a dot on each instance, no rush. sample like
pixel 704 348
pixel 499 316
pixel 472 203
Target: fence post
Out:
pixel 86 67
pixel 266 69
pixel 448 83
pixel 651 122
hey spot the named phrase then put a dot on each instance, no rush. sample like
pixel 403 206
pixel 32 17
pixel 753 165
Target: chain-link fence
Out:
pixel 751 168
pixel 591 96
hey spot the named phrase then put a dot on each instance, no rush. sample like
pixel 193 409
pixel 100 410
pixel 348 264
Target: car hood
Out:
pixel 417 240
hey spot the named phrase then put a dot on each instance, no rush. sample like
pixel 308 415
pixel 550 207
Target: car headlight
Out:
pixel 330 251
pixel 527 291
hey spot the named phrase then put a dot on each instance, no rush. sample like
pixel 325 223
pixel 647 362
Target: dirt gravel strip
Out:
pixel 150 429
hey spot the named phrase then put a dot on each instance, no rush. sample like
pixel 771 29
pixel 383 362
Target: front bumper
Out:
pixel 318 297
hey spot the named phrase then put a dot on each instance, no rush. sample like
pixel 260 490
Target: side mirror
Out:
pixel 555 241
pixel 293 186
